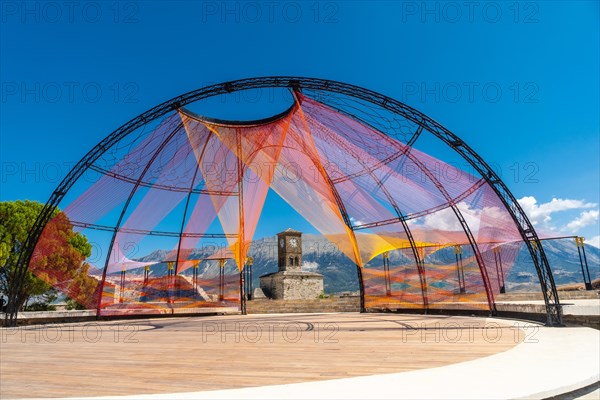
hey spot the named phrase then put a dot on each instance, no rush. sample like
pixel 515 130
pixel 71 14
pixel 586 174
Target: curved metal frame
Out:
pixel 452 203
pixel 526 229
pixel 400 217
pixel 126 206
pixel 342 209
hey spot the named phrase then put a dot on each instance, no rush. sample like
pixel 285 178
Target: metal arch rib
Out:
pixel 419 214
pixel 408 154
pixel 466 229
pixel 525 227
pixel 124 210
pixel 342 209
pixel 159 186
pixel 188 197
pixel 401 218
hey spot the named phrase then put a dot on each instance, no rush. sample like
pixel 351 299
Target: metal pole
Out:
pixel 361 285
pixel 588 284
pixel 242 238
pixel 122 291
pixel 459 269
pixel 458 273
pixel 494 250
pixel 386 272
pixel 249 287
pixel 196 267
pixel 499 270
pixel 583 261
pixel 503 287
pixel 221 278
pixel 242 292
pixel 170 266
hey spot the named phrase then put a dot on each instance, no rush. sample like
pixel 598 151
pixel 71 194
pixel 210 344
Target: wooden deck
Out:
pixel 193 354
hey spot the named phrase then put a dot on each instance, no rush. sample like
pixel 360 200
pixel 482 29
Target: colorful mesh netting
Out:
pixel 191 182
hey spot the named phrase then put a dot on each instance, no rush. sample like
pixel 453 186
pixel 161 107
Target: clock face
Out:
pixel 281 243
pixel 294 242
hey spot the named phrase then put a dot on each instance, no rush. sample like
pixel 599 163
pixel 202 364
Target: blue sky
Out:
pixel 519 82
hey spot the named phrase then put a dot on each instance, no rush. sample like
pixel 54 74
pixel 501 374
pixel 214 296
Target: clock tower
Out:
pixel 290 282
pixel 289 250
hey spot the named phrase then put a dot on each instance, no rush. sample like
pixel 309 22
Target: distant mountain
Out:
pixel 320 255
pixel 564 261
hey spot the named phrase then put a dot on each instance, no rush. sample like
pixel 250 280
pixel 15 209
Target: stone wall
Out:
pixel 292 285
pixel 562 295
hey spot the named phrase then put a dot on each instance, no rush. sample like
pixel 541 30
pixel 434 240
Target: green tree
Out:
pixel 58 262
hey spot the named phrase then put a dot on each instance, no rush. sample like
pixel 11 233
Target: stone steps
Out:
pixel 562 295
pixel 340 304
pixel 352 303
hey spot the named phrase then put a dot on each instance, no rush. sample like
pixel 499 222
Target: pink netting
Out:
pixel 191 179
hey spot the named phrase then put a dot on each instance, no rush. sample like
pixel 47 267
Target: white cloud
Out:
pixel 541 214
pixel 356 221
pixel 585 218
pixel 309 266
pixel 446 219
pixel 595 241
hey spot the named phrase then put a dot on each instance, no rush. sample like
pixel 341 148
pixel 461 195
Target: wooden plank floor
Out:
pixel 193 354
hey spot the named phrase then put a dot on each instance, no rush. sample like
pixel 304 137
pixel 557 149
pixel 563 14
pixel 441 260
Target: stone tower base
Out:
pixel 292 285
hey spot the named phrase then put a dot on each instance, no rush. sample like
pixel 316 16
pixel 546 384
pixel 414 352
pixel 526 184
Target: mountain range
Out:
pixel 340 275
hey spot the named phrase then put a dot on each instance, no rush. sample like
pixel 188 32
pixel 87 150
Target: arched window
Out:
pixel 291 260
pixel 296 261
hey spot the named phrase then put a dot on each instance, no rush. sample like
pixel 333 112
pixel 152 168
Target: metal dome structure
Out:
pixel 346 158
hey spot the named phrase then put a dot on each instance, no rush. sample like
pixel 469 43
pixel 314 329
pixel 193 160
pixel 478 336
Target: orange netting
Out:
pixel 353 182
